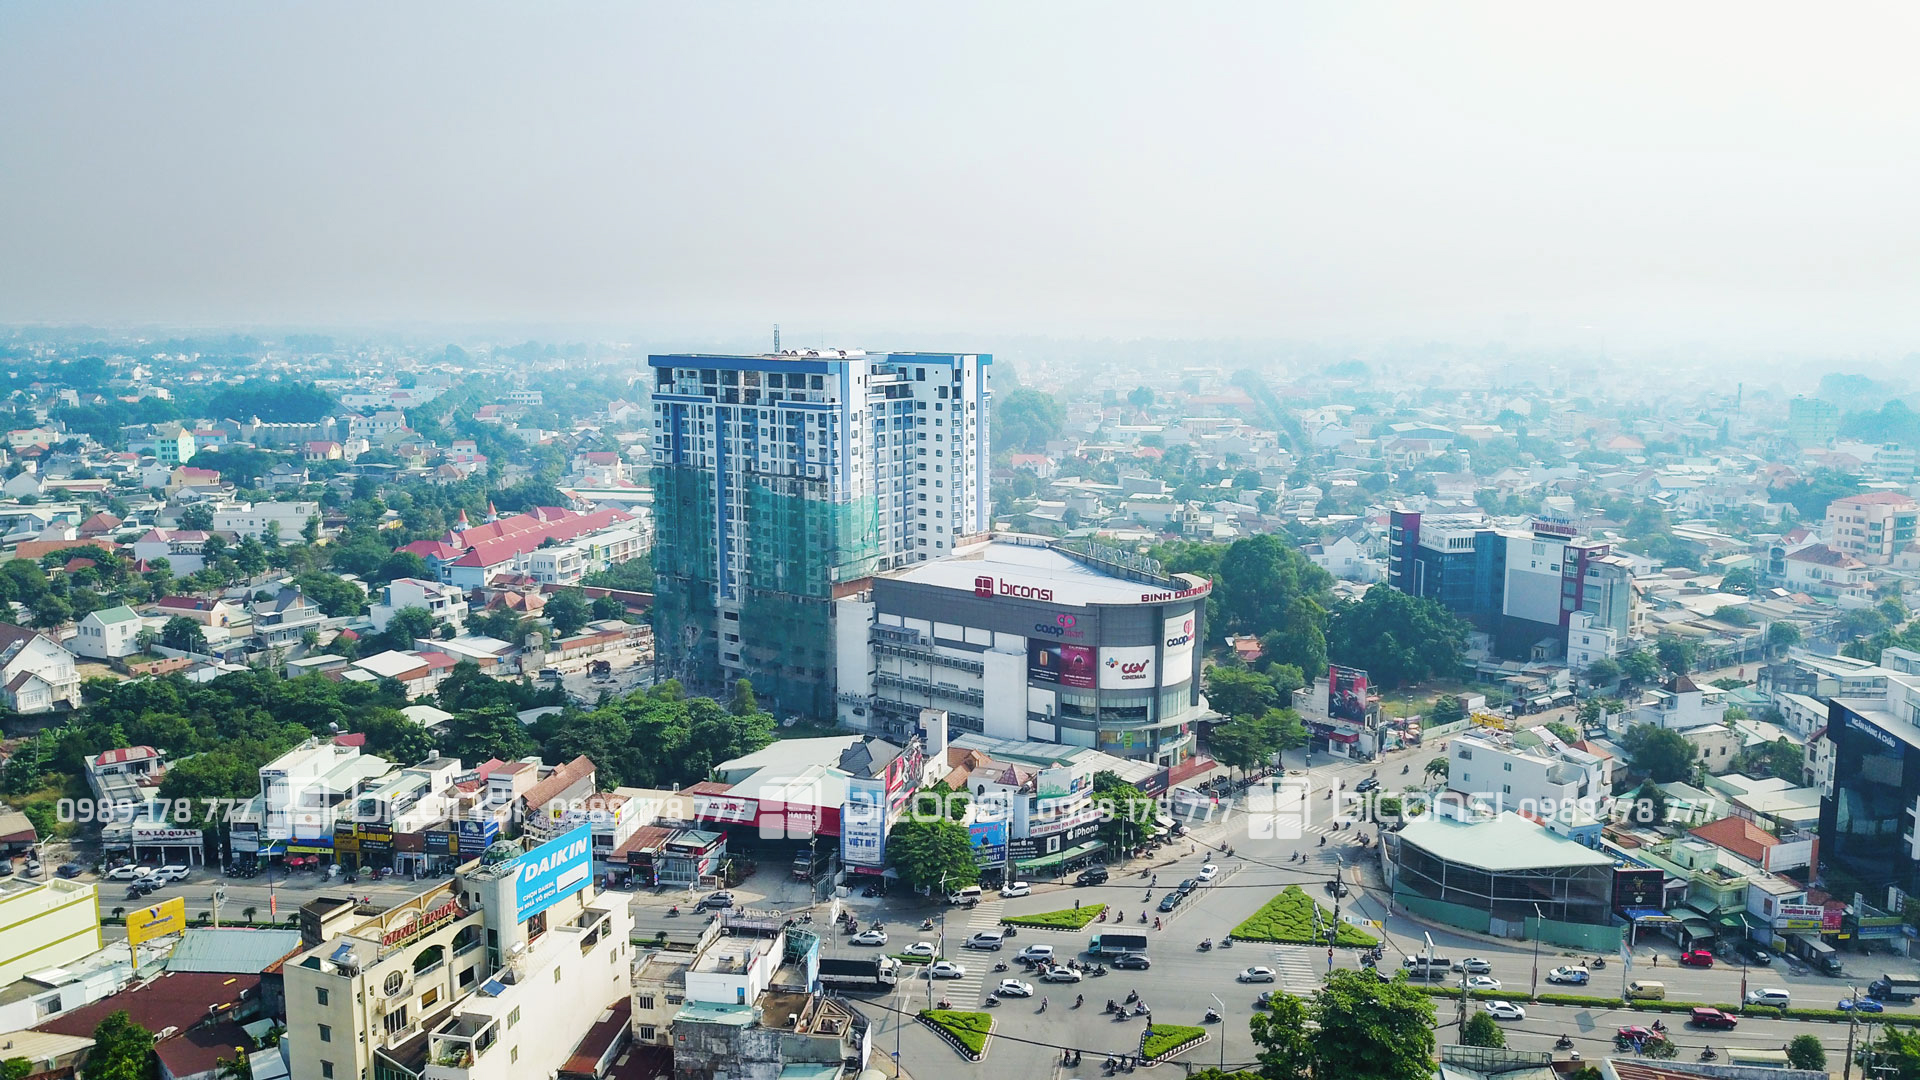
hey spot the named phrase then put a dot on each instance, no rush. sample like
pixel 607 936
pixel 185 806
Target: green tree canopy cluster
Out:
pixel 1398 638
pixel 1355 1025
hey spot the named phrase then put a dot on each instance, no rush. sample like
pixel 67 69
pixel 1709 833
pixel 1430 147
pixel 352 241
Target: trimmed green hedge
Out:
pixel 1289 918
pixel 1163 1038
pixel 970 1029
pixel 1067 919
pixel 1750 1012
pixel 906 958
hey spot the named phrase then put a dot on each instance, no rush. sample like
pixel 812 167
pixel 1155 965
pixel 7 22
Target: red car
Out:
pixel 1697 958
pixel 1713 1018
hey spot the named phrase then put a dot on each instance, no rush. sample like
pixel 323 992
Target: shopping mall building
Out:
pixel 1029 638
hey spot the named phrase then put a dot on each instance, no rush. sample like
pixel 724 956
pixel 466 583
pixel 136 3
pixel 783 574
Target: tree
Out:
pixel 122 1050
pixel 567 610
pixel 1562 732
pixel 1238 692
pixel 198 516
pixel 16 1069
pixel 1649 805
pixel 1026 420
pixel 1301 639
pixel 1675 654
pixel 1602 672
pixel 1805 1052
pixel 1782 636
pixel 1260 578
pixel 1640 666
pixel 1481 1030
pixel 184 635
pixel 932 854
pixel 1662 754
pixel 1127 815
pixel 1285 1040
pixel 1446 709
pixel 1140 397
pixel 492 732
pixel 335 596
pixel 1740 580
pixel 1437 767
pixel 1240 743
pixel 1396 637
pixel 743 702
pixel 391 735
pixel 606 607
pixel 408 625
pixel 1379 1030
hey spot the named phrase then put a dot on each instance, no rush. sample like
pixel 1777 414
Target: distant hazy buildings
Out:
pixel 1873 526
pixel 1812 422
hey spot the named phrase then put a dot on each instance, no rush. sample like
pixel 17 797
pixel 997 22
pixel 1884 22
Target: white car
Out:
pixel 1018 888
pixel 1257 974
pixel 946 969
pixel 1574 976
pixel 171 872
pixel 1036 953
pixel 1474 965
pixel 870 937
pixel 920 948
pixel 129 873
pixel 1505 1010
pixel 1770 996
pixel 1061 974
pixel 1208 872
pixel 1014 988
pixel 1483 982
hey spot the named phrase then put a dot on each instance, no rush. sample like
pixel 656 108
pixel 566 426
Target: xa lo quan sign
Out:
pixel 413 926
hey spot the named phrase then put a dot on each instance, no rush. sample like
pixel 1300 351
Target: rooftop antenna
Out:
pixel 776 338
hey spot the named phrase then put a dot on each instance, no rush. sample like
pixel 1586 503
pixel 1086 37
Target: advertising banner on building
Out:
pixel 1807 917
pixel 163 918
pixel 551 872
pixel 989 842
pixel 477 836
pixel 1126 668
pixel 1063 781
pixel 863 823
pixel 1176 649
pixel 148 833
pixel 1068 665
pixel 1347 693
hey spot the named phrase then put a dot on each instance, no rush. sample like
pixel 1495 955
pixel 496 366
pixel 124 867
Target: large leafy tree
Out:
pixel 122 1050
pixel 183 634
pixel 932 854
pixel 1024 420
pixel 1365 1027
pixel 1239 692
pixel 1301 638
pixel 1676 654
pixel 1285 1039
pixel 1482 1030
pixel 1261 577
pixel 1659 753
pixel 568 611
pixel 1396 637
pixel 1133 813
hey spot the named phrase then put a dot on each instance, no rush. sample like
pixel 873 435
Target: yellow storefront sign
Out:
pixel 163 918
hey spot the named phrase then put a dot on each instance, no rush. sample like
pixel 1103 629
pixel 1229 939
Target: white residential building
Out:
pixel 108 634
pixel 300 789
pixel 1588 641
pixel 1531 771
pixel 37 673
pixel 255 519
pixel 444 602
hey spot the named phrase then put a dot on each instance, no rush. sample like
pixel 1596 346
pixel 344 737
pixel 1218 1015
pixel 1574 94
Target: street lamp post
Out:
pixel 1223 1037
pixel 1533 990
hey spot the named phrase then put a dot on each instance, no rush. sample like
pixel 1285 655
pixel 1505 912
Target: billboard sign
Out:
pixel 1806 917
pixel 989 842
pixel 1126 668
pixel 863 824
pixel 1347 693
pixel 1177 640
pixel 1062 781
pixel 163 918
pixel 551 872
pixel 1068 665
pixel 477 836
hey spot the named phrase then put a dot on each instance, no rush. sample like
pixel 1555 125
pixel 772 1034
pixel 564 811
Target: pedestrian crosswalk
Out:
pixel 1299 967
pixel 968 990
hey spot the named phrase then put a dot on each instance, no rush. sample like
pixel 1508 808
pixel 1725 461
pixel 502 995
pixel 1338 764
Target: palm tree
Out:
pixel 249 912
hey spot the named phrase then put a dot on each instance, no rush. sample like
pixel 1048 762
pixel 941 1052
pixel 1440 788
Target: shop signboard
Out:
pixel 551 872
pixel 440 842
pixel 1176 648
pixel 1126 667
pixel 989 842
pixel 1067 665
pixel 1347 693
pixel 863 825
pixel 477 836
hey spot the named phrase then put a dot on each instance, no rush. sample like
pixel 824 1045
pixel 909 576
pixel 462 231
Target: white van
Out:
pixel 986 939
pixel 1770 995
pixel 968 895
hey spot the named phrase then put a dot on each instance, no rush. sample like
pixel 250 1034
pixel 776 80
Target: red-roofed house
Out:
pixel 1819 569
pixel 1757 845
pixel 473 558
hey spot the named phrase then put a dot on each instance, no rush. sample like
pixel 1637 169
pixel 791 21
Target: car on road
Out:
pixel 1014 988
pixel 1186 887
pixel 1483 982
pixel 1265 999
pixel 1337 887
pixel 1170 901
pixel 1061 974
pixel 721 899
pixel 1036 953
pixel 1256 974
pixel 1696 958
pixel 1505 1010
pixel 1208 872
pixel 920 948
pixel 128 872
pixel 1095 876
pixel 946 969
pixel 990 940
pixel 1770 995
pixel 1475 965
pixel 1016 888
pixel 1712 1018
pixel 1754 953
pixel 1572 976
pixel 70 870
pixel 1131 962
pixel 1862 1004
pixel 869 937
pixel 33 867
pixel 1368 784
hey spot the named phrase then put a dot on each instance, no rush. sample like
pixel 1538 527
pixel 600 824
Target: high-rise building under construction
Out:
pixel 786 480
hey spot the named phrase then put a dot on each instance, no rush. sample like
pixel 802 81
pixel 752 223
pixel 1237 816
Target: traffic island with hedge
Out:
pixel 966 1032
pixel 1290 918
pixel 1749 1012
pixel 1162 1041
pixel 1067 919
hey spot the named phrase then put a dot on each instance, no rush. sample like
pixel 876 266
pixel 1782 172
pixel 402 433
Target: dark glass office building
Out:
pixel 1867 823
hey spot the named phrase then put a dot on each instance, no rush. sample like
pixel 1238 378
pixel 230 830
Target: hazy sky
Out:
pixel 1736 172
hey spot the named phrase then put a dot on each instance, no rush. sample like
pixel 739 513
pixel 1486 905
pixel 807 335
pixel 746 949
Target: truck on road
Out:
pixel 1117 944
pixel 880 973
pixel 1890 987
